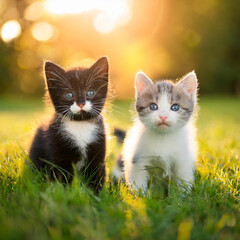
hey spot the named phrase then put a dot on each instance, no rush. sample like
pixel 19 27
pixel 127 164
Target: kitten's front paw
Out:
pixel 139 190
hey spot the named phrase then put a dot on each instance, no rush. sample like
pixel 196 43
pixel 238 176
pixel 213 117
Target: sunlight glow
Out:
pixel 10 30
pixel 103 23
pixel 43 31
pixel 112 13
pixel 34 11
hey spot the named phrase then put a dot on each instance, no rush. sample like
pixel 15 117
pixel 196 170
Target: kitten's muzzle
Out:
pixel 81 102
pixel 81 105
pixel 163 124
pixel 163 118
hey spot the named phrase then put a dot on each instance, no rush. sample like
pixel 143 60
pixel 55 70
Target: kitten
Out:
pixel 163 135
pixel 75 134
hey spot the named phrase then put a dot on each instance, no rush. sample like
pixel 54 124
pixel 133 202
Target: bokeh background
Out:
pixel 164 38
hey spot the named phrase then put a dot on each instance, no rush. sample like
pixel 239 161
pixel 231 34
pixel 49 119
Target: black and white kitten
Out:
pixel 75 134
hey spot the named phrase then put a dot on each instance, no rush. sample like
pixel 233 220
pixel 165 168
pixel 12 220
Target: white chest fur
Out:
pixel 141 146
pixel 81 132
pixel 163 146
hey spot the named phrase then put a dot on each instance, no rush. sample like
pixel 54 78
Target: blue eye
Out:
pixel 153 106
pixel 90 93
pixel 69 95
pixel 175 107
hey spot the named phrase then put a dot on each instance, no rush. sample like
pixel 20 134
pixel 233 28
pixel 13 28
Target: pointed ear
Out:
pixel 188 84
pixel 141 82
pixel 53 73
pixel 100 68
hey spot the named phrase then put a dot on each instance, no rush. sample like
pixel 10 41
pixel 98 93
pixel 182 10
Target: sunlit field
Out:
pixel 31 208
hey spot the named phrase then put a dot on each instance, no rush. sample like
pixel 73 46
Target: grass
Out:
pixel 33 209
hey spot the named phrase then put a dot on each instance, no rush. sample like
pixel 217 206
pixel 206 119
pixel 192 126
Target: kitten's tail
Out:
pixel 120 134
pixel 118 169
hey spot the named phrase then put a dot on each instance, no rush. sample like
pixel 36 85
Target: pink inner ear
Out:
pixel 192 87
pixel 189 87
pixel 142 81
pixel 191 90
pixel 140 86
pixel 189 84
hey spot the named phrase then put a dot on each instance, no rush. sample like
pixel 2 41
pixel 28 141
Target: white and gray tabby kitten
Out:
pixel 163 133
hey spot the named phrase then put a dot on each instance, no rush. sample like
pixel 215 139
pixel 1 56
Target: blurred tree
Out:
pixel 164 38
pixel 204 35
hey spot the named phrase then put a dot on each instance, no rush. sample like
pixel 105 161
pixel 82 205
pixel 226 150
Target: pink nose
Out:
pixel 163 118
pixel 81 105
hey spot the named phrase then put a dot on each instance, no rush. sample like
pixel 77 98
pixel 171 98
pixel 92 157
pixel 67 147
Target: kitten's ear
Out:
pixel 189 84
pixel 100 68
pixel 141 82
pixel 53 72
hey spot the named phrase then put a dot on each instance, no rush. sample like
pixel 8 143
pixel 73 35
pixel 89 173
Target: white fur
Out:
pixel 88 106
pixel 81 132
pixel 80 164
pixel 117 173
pixel 142 144
pixel 76 109
pixel 170 141
pixel 152 119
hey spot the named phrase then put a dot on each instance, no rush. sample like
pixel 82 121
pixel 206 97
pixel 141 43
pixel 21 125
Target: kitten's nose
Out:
pixel 81 102
pixel 163 118
pixel 81 105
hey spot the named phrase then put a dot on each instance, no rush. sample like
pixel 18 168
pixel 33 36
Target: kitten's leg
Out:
pixel 40 156
pixel 138 177
pixel 38 150
pixel 185 174
pixel 94 170
pixel 63 174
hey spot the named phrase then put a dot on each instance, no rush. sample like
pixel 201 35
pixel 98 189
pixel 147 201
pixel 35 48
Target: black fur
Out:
pixel 120 134
pixel 119 163
pixel 52 150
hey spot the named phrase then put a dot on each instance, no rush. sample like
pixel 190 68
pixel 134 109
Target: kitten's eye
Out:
pixel 175 107
pixel 153 106
pixel 90 93
pixel 69 95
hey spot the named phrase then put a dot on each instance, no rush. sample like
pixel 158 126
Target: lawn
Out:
pixel 31 208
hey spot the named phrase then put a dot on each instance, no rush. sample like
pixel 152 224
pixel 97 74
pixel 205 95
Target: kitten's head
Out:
pixel 78 93
pixel 164 106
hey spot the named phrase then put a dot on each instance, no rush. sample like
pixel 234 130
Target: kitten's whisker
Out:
pixel 65 111
pixel 101 87
pixel 65 115
pixel 61 77
pixel 92 74
pixel 100 100
pixel 95 112
pixel 90 79
pixel 96 77
pixel 102 75
pixel 93 82
pixel 61 105
pixel 107 111
pixel 98 69
pixel 111 108
pixel 114 106
pixel 61 81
